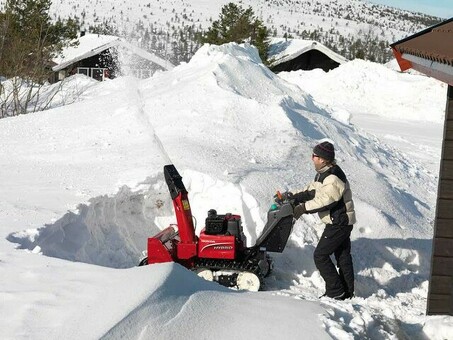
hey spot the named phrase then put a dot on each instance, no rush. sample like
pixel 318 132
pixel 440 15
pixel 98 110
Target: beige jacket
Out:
pixel 332 197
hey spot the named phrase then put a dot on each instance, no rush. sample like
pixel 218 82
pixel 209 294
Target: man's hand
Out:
pixel 288 195
pixel 304 196
pixel 282 197
pixel 299 210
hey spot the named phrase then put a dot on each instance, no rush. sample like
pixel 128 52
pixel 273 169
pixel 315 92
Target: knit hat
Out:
pixel 325 150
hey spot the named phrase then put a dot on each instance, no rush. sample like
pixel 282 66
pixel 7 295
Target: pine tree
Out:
pixel 239 25
pixel 29 40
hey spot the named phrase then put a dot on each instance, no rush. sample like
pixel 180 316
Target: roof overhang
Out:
pixel 429 51
pixel 440 71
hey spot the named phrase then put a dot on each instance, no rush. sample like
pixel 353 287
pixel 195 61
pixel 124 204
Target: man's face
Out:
pixel 318 162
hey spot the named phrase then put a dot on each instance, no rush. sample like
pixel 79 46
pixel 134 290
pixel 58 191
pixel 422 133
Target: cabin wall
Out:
pixel 440 293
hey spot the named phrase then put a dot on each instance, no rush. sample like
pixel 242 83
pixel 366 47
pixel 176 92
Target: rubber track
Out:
pixel 237 266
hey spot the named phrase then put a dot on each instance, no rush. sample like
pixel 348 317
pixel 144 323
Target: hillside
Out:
pixel 168 28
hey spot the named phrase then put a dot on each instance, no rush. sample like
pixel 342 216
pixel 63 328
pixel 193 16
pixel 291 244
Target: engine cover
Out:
pixel 218 246
pixel 228 224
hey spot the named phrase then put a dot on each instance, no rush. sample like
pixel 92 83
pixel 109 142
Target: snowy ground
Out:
pixel 83 189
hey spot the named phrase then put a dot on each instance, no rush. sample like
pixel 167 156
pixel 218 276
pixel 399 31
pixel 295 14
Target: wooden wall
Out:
pixel 440 293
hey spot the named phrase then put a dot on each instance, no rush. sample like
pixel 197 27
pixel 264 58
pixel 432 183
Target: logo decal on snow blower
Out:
pixel 218 246
pixel 185 205
pixel 223 247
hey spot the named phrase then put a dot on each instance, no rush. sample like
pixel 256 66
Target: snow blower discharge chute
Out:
pixel 219 253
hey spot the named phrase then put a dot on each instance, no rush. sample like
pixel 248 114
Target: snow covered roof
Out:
pixel 429 51
pixel 92 44
pixel 283 50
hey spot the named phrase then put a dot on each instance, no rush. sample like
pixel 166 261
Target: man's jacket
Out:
pixel 330 196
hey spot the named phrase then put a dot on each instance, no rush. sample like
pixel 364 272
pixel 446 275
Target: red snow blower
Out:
pixel 219 253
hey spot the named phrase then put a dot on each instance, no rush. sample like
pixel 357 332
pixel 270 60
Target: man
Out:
pixel 329 195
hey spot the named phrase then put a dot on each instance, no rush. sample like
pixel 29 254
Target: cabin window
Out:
pixel 84 70
pixel 97 73
pixel 61 75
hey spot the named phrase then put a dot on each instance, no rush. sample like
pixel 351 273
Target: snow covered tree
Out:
pixel 236 24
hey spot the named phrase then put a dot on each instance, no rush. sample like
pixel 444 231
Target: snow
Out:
pixel 83 188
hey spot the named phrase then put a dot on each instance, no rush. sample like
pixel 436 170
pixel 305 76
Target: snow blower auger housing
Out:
pixel 219 253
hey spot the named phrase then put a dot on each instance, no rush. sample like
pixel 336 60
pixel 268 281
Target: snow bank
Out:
pixel 185 306
pixel 389 93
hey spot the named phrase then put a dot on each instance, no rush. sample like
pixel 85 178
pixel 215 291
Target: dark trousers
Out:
pixel 335 240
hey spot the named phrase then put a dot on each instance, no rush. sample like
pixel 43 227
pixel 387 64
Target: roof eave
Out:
pixel 434 69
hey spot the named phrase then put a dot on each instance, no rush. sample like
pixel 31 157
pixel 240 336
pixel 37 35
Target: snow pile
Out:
pixel 84 183
pixel 389 94
pixel 200 307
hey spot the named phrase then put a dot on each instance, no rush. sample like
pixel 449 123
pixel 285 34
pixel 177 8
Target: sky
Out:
pixel 83 188
pixel 440 8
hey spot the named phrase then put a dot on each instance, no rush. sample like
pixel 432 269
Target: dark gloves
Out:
pixel 288 195
pixel 282 197
pixel 299 210
pixel 304 196
pixel 297 200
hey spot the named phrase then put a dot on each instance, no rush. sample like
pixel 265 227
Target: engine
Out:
pixel 222 237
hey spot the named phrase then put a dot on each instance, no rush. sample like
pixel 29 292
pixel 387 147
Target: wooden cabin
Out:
pixel 431 52
pixel 95 57
pixel 297 54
